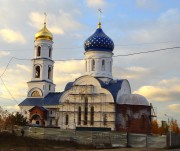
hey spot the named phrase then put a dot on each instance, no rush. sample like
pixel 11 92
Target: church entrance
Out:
pixel 36 119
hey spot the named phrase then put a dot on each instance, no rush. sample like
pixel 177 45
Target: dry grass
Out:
pixel 9 142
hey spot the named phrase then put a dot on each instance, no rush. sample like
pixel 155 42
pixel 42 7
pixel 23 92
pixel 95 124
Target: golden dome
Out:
pixel 44 34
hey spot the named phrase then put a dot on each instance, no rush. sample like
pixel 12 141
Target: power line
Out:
pixel 8 91
pixel 131 54
pixel 144 52
pixel 131 44
pixel 125 55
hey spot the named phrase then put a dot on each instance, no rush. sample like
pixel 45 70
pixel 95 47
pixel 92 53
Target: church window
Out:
pixel 86 111
pixel 143 121
pixel 93 65
pixel 110 68
pixel 67 119
pixel 103 65
pixel 38 51
pixel 49 72
pixel 50 123
pixel 127 120
pixel 86 66
pixel 105 119
pixel 37 74
pixel 79 115
pixel 92 115
pixel 35 94
pixel 50 52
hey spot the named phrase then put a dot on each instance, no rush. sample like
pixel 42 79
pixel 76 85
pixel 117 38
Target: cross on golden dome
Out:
pixel 44 33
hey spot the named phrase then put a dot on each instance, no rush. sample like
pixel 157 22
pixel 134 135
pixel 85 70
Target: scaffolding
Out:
pixel 103 114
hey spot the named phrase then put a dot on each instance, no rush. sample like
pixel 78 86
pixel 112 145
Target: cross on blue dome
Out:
pixel 99 41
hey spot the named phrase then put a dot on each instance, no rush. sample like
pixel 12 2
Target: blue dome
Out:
pixel 99 41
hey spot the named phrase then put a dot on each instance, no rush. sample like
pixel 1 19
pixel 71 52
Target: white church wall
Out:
pixel 98 56
pixel 97 97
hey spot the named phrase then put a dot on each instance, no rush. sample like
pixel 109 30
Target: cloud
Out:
pixel 15 80
pixel 23 67
pixel 132 72
pixel 95 3
pixel 11 36
pixel 151 4
pixel 57 24
pixel 12 108
pixel 174 107
pixel 67 71
pixel 4 53
pixel 164 90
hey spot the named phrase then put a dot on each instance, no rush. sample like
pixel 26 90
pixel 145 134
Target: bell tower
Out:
pixel 42 64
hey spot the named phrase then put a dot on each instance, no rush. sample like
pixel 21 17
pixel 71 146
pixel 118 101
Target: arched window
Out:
pixel 86 111
pixel 127 120
pixel 86 66
pixel 67 119
pixel 50 122
pixel 143 121
pixel 37 72
pixel 103 65
pixel 93 65
pixel 35 94
pixel 49 72
pixel 38 51
pixel 79 115
pixel 92 115
pixel 105 119
pixel 110 68
pixel 50 52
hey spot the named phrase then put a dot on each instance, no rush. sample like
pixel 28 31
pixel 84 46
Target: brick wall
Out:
pixel 138 120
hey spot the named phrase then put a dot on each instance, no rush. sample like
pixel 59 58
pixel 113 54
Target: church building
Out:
pixel 94 101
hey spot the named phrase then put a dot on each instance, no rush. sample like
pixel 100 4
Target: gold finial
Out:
pixel 99 23
pixel 45 19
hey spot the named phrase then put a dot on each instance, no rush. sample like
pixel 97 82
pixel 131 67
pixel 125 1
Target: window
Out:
pixel 67 119
pixel 79 115
pixel 127 120
pixel 50 123
pixel 35 94
pixel 105 119
pixel 49 87
pixel 50 52
pixel 49 72
pixel 86 66
pixel 38 51
pixel 143 121
pixel 86 111
pixel 103 65
pixel 110 68
pixel 93 65
pixel 37 72
pixel 92 115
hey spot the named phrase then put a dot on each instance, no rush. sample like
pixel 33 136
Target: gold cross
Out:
pixel 45 18
pixel 100 12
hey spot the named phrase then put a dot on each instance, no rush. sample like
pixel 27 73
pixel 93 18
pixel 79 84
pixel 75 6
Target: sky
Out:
pixel 133 25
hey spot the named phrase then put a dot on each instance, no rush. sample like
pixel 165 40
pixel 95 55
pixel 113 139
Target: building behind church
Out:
pixel 94 101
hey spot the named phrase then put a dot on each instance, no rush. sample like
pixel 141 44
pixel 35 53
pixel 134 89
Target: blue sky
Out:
pixel 134 25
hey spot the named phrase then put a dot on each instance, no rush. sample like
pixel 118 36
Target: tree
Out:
pixel 174 126
pixel 17 119
pixel 154 127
